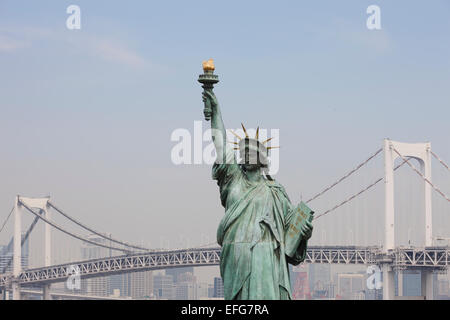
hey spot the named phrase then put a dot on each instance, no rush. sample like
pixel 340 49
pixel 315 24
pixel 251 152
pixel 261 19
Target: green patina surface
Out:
pixel 258 215
pixel 261 231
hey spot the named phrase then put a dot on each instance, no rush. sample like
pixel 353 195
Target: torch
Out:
pixel 208 79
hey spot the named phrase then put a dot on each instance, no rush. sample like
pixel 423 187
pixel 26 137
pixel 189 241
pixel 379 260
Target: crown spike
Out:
pixel 235 134
pixel 264 142
pixel 268 148
pixel 245 131
pixel 233 142
pixel 257 134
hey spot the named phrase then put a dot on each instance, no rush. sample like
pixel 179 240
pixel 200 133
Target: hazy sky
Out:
pixel 87 115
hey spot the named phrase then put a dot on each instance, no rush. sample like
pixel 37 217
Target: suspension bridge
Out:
pixel 391 258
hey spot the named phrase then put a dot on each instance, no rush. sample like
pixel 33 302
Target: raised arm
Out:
pixel 219 135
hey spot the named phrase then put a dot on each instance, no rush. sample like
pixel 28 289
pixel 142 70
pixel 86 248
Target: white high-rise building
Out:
pixel 6 254
pixel 97 286
pixel 202 290
pixel 163 287
pixel 350 286
pixel 141 285
pixel 186 287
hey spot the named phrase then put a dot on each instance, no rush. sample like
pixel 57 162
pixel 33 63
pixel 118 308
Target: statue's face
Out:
pixel 251 161
pixel 251 167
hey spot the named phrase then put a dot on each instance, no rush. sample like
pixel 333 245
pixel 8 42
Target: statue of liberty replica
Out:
pixel 261 231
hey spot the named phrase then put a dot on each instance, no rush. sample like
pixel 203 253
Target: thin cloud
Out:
pixel 14 39
pixel 356 36
pixel 378 41
pixel 116 52
pixel 8 44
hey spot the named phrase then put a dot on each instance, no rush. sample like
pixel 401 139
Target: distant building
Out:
pixel 141 284
pixel 351 286
pixel 6 254
pixel 291 275
pixel 186 287
pixel 202 290
pixel 119 283
pixel 186 291
pixel 319 277
pixel 299 283
pixel 137 285
pixel 218 288
pixel 443 290
pixel 300 290
pixel 411 284
pixel 97 286
pixel 175 272
pixel 210 291
pixel 163 287
pixel 330 290
pixel 359 295
pixel 374 294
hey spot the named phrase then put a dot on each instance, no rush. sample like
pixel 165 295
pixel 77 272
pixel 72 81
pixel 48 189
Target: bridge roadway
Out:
pixel 69 296
pixel 431 258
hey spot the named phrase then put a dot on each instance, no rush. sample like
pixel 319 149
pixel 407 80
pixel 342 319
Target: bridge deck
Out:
pixel 431 257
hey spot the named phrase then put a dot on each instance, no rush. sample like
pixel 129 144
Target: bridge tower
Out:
pixel 38 203
pixel 422 153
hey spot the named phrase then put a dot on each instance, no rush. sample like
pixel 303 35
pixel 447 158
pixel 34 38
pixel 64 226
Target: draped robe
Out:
pixel 253 264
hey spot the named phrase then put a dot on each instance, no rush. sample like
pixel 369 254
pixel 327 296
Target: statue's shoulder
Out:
pixel 276 186
pixel 273 183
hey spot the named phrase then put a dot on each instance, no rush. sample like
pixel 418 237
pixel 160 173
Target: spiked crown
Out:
pixel 251 149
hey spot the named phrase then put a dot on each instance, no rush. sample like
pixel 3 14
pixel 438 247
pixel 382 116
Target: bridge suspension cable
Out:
pixel 7 218
pixel 346 176
pixel 54 225
pixel 423 177
pixel 356 194
pixel 95 232
pixel 207 245
pixel 201 246
pixel 440 160
pixel 24 238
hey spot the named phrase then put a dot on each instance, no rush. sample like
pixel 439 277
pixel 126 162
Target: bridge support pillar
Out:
pixel 388 283
pixel 389 240
pixel 17 250
pixel 47 251
pixel 400 275
pixel 15 285
pixel 46 292
pixel 427 284
pixel 422 153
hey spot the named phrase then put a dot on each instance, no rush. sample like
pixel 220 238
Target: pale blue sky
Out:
pixel 86 115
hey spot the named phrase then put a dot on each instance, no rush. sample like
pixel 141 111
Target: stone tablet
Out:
pixel 293 226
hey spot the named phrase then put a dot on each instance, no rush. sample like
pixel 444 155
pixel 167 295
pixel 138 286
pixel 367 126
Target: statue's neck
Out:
pixel 254 175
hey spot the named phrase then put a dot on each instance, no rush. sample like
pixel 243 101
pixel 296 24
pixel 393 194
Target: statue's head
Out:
pixel 254 154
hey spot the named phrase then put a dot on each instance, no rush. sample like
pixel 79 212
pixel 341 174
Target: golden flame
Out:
pixel 208 65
